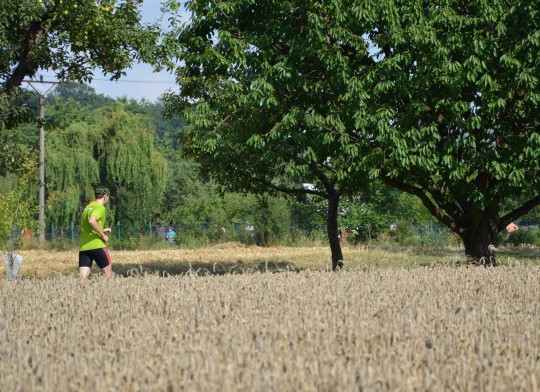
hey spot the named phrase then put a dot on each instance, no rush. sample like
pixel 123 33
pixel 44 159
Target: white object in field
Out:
pixel 13 264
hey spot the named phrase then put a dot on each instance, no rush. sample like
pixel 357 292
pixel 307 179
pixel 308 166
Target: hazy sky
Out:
pixel 140 81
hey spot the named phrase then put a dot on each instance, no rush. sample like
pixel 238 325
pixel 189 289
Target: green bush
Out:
pixel 124 244
pixel 62 244
pixel 523 237
pixel 152 242
pixel 191 240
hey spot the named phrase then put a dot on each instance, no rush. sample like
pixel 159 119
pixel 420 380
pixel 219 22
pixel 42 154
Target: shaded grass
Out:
pixel 172 269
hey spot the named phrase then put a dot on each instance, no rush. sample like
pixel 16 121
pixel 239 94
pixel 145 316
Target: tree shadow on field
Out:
pixel 457 257
pixel 424 250
pixel 202 268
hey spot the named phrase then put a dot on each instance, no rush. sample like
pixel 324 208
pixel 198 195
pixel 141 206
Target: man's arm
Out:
pixel 94 225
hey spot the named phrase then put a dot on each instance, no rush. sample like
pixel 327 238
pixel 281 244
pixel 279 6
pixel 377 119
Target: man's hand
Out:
pixel 92 221
pixel 106 231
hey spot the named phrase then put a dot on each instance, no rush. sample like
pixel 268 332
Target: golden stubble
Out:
pixel 233 258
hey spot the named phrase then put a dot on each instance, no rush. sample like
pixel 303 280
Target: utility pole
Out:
pixel 41 237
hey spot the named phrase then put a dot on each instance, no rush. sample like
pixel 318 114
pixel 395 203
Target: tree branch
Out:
pixel 426 201
pixel 328 185
pixel 290 191
pixel 26 63
pixel 513 215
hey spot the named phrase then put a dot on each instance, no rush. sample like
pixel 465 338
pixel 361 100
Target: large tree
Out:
pixel 453 110
pixel 79 95
pixel 265 87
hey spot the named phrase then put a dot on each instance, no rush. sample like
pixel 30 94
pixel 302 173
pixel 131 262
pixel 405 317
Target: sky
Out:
pixel 141 82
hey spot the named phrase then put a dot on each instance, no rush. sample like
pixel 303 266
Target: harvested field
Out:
pixel 233 257
pixel 416 329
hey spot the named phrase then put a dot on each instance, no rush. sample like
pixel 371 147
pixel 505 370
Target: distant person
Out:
pixel 344 233
pixel 393 231
pixel 249 230
pixel 94 235
pixel 511 227
pixel 26 233
pixel 170 235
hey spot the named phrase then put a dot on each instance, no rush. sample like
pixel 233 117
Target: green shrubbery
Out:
pixel 524 237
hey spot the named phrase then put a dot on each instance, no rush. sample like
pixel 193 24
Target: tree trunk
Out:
pixel 481 244
pixel 332 231
pixel 262 232
pixel 26 63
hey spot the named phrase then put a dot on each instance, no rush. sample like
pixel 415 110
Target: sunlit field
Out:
pixel 236 258
pixel 381 329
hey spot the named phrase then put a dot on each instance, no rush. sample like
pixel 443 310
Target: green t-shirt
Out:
pixel 90 239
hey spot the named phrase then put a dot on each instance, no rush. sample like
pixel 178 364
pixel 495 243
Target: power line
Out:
pixel 129 81
pixel 135 81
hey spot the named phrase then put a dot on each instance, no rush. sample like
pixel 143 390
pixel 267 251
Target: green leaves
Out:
pixel 273 90
pixel 112 147
pixel 440 100
pixel 72 38
pixel 16 209
pixel 453 111
pixel 509 62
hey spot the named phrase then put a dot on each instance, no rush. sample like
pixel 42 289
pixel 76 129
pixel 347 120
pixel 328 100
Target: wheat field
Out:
pixel 380 329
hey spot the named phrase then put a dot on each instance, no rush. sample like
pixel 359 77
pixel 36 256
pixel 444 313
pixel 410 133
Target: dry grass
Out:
pixel 419 329
pixel 234 257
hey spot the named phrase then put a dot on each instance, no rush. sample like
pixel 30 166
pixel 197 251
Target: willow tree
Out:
pixel 112 147
pixel 266 89
pixel 453 110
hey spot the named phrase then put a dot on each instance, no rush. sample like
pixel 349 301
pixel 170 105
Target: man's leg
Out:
pixel 85 263
pixel 107 271
pixel 84 272
pixel 104 262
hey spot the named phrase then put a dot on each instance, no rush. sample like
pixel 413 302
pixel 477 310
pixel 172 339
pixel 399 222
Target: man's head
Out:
pixel 102 192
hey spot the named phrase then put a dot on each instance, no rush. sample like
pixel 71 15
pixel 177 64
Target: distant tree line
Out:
pixel 134 150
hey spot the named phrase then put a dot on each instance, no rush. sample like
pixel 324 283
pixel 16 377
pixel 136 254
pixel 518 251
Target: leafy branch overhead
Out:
pixel 454 109
pixel 71 38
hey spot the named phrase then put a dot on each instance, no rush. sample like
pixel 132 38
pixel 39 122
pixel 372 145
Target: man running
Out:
pixel 93 242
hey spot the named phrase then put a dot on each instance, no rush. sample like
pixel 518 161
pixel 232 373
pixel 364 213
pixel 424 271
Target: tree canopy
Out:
pixel 453 110
pixel 112 147
pixel 437 99
pixel 83 95
pixel 266 89
pixel 70 38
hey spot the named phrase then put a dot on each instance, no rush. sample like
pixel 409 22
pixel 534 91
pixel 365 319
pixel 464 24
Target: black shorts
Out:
pixel 101 256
